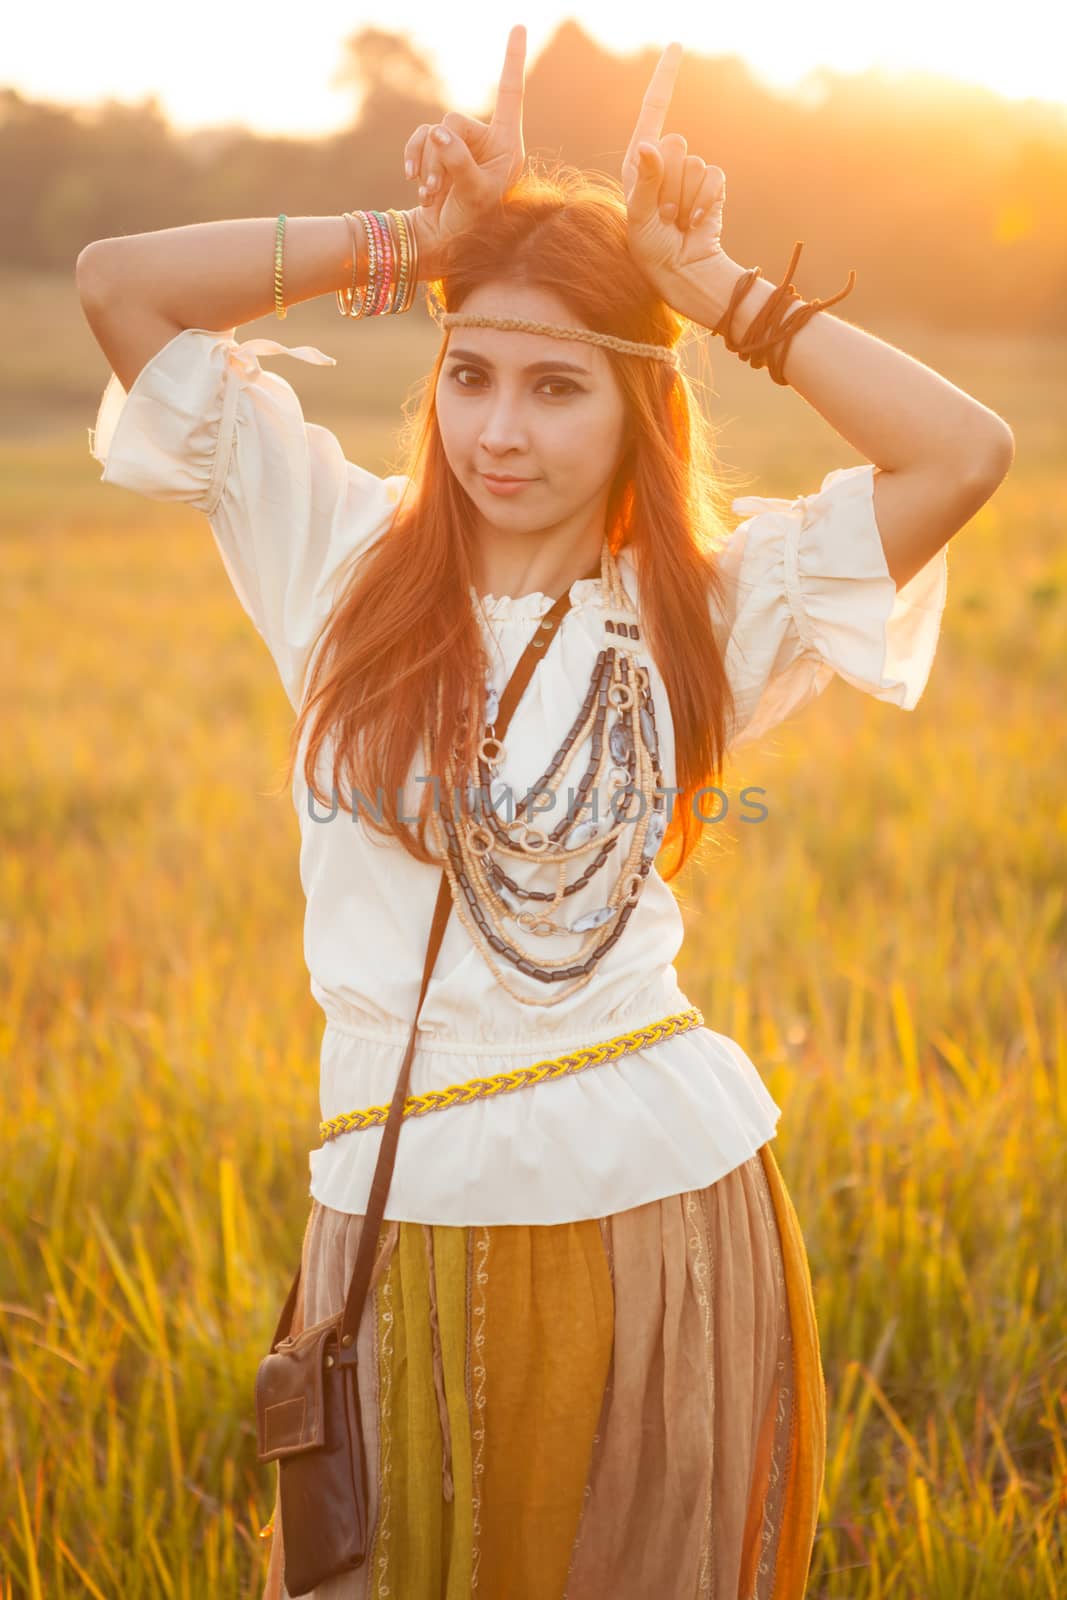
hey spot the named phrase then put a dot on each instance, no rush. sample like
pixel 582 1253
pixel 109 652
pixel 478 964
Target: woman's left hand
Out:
pixel 674 201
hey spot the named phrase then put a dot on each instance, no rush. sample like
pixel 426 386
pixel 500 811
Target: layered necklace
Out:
pixel 482 850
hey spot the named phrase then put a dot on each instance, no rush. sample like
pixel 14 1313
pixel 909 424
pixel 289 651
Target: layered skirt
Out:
pixel 629 1406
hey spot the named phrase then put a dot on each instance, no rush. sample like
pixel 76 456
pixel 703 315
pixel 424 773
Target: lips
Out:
pixel 504 488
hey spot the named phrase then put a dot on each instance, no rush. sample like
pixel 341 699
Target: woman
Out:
pixel 588 1363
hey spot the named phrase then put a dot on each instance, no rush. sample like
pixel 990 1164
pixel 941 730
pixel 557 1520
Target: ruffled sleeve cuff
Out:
pixel 812 596
pixel 206 424
pixel 170 437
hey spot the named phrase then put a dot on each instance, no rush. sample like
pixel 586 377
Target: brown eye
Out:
pixel 455 373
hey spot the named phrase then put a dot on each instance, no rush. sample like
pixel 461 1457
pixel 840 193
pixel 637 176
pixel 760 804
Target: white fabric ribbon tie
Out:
pixel 243 356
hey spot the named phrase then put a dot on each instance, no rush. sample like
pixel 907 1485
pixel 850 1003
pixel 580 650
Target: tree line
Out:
pixel 946 198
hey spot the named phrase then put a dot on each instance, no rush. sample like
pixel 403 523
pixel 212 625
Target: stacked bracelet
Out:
pixel 392 265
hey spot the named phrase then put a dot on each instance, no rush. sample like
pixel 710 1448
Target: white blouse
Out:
pixel 808 595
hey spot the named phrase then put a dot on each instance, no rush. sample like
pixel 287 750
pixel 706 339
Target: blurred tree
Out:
pixel 387 72
pixel 945 197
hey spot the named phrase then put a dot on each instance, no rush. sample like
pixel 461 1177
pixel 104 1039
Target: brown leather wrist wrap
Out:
pixel 766 341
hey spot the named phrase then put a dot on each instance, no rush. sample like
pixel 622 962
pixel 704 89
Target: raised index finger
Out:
pixel 508 111
pixel 657 96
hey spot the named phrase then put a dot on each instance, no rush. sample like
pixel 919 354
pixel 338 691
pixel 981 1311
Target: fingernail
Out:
pixel 695 218
pixel 409 169
pixel 432 181
pixel 441 135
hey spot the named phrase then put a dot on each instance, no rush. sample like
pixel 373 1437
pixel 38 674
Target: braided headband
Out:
pixel 765 344
pixel 471 319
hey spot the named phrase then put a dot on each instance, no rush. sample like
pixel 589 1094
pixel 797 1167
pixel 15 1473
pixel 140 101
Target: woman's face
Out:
pixel 530 406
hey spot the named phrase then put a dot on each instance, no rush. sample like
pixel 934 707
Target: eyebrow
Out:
pixel 535 366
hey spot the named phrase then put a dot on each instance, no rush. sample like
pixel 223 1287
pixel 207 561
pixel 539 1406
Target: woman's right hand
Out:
pixel 466 175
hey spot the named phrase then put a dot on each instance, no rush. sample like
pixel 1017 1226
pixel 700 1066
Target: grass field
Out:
pixel 890 949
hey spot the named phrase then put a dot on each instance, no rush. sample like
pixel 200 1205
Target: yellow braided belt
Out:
pixel 461 1094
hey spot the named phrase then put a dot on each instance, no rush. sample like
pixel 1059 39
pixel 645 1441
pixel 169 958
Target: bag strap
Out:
pixel 383 1170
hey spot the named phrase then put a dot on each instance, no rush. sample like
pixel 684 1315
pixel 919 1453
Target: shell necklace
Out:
pixel 481 850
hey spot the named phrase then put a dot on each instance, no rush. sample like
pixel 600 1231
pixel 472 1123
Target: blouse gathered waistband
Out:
pixel 553 1067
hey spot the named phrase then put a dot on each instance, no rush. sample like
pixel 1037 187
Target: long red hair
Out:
pixel 401 652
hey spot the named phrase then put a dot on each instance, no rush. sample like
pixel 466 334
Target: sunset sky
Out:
pixel 269 65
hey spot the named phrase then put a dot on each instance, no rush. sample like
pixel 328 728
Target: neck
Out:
pixel 536 563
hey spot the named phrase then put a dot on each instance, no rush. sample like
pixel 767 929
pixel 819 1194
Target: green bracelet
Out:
pixel 279 304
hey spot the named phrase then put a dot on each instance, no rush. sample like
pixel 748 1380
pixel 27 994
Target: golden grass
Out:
pixel 888 946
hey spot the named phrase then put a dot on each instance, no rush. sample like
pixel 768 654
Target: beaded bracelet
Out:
pixel 384 240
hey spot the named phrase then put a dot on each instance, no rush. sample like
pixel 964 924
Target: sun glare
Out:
pixel 217 68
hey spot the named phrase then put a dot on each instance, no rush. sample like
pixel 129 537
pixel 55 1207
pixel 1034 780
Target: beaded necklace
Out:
pixel 479 847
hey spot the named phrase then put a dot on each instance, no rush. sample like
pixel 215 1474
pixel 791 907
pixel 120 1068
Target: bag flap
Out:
pixel 290 1408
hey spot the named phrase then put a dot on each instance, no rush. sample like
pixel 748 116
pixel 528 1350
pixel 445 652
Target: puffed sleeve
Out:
pixel 206 424
pixel 808 594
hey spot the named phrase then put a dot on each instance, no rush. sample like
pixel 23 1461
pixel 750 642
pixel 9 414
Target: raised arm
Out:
pixel 139 290
pixel 938 452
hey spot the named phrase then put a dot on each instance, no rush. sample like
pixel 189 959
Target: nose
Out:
pixel 504 430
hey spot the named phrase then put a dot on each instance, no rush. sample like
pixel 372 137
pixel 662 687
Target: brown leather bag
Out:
pixel 307 1394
